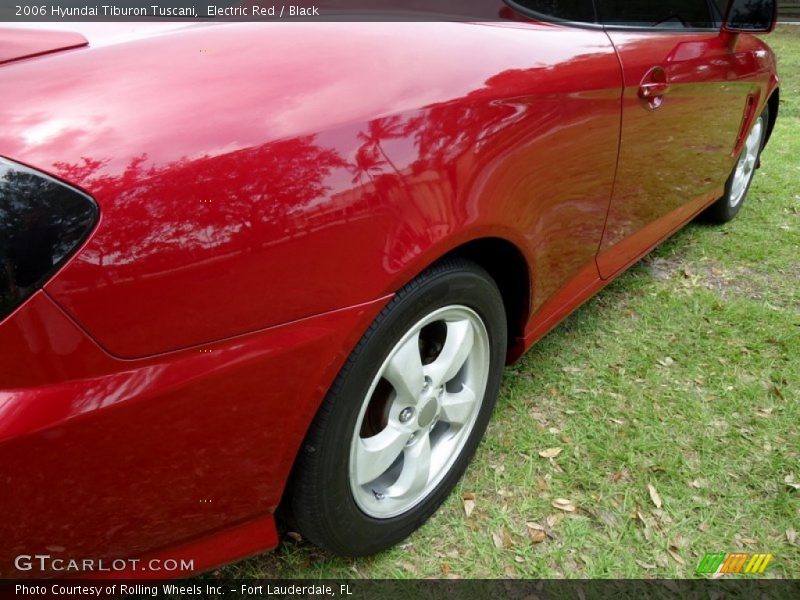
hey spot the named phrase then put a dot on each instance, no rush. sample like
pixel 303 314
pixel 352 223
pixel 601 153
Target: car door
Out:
pixel 687 87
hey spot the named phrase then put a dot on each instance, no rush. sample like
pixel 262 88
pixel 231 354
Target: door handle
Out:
pixel 654 87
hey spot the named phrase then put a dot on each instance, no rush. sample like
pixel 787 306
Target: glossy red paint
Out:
pixel 16 44
pixel 261 200
pixel 683 151
pixel 143 454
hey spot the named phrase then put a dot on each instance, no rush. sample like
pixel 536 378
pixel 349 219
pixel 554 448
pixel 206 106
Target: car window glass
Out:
pixel 664 14
pixel 569 10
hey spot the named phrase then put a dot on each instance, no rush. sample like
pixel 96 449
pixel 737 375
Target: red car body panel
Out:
pixel 261 200
pixel 663 163
pixel 16 44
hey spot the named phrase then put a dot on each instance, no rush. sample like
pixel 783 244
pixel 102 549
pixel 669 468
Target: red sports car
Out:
pixel 249 268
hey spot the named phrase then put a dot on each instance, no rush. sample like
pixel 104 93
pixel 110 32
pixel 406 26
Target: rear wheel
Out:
pixel 403 418
pixel 738 184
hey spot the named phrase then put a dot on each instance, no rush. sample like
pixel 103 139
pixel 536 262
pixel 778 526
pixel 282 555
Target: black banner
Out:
pixel 202 588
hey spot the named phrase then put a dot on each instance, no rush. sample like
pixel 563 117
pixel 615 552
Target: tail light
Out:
pixel 42 222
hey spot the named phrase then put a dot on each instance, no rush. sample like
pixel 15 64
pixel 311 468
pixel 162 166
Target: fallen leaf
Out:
pixel 698 483
pixel 445 567
pixel 537 536
pixel 294 536
pixel 667 361
pixel 563 504
pixel 673 552
pixel 645 565
pixel 789 480
pixel 703 527
pixel 654 495
pixel 608 517
pixel 749 541
pixel 508 541
pixel 469 506
pixel 623 475
pixel 791 536
pixel 536 532
pixel 553 520
pixel 550 453
pixel 497 538
pixel 410 568
pixel 510 572
pixel 648 530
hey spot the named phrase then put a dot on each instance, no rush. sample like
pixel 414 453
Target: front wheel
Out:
pixel 738 184
pixel 405 415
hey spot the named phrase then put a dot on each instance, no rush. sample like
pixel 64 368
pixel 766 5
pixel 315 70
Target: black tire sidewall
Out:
pixel 722 211
pixel 337 523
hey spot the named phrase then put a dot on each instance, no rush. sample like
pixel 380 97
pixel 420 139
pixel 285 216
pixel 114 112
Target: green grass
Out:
pixel 683 374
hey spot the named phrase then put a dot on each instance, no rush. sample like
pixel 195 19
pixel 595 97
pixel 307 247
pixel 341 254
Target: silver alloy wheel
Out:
pixel 419 412
pixel 746 166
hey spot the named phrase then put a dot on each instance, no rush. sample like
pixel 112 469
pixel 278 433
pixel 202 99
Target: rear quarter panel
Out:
pixel 246 179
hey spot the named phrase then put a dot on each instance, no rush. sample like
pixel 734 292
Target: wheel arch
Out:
pixel 773 102
pixel 509 268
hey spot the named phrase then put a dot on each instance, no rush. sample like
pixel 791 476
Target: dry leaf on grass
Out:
pixel 645 565
pixel 791 536
pixel 648 529
pixel 553 520
pixel 654 495
pixel 673 552
pixel 749 541
pixel 550 453
pixel 497 539
pixel 536 532
pixel 411 568
pixel 469 504
pixel 608 517
pixel 789 480
pixel 564 504
pixel 623 475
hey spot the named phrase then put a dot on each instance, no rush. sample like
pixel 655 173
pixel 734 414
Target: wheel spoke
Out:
pixel 404 371
pixel 458 407
pixel 457 347
pixel 416 469
pixel 374 455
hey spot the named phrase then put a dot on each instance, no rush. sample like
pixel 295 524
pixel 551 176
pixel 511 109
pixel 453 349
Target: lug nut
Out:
pixel 406 414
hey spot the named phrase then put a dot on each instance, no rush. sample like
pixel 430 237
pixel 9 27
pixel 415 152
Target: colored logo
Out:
pixel 733 562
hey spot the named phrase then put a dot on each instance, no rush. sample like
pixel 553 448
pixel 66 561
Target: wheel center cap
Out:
pixel 427 413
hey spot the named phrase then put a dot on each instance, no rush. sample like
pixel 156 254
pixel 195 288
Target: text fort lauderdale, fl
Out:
pixel 63 589
pixel 155 10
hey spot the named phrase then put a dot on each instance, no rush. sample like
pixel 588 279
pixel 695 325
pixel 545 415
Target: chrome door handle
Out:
pixel 654 87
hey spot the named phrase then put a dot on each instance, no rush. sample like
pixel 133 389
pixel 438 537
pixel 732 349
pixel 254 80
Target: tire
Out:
pixel 332 497
pixel 738 185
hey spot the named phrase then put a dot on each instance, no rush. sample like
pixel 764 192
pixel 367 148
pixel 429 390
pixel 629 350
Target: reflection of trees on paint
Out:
pixel 263 195
pixel 203 202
